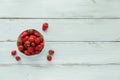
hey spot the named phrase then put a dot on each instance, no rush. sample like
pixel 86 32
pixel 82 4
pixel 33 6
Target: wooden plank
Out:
pixel 59 72
pixel 64 30
pixel 76 53
pixel 60 8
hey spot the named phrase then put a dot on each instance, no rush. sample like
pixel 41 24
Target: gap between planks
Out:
pixel 67 64
pixel 59 18
pixel 63 41
pixel 40 65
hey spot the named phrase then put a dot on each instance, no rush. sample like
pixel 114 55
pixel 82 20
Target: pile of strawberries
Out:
pixel 30 42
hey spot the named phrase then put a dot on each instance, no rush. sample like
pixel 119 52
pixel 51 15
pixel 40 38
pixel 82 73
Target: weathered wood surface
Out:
pixel 26 72
pixel 64 30
pixel 85 35
pixel 60 8
pixel 67 53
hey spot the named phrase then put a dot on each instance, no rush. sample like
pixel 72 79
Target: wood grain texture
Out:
pixel 64 30
pixel 85 35
pixel 66 53
pixel 59 72
pixel 59 8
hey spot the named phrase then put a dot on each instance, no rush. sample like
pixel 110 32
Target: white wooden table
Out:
pixel 85 35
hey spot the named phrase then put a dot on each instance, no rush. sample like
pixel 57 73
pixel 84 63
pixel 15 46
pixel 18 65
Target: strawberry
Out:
pixel 17 58
pixel 33 44
pixel 33 36
pixel 30 31
pixel 19 42
pixel 36 34
pixel 41 39
pixel 37 52
pixel 37 41
pixel 24 34
pixel 51 52
pixel 20 47
pixel 26 52
pixel 30 49
pixel 42 44
pixel 31 39
pixel 33 53
pixel 21 35
pixel 49 57
pixel 13 52
pixel 38 48
pixel 27 43
pixel 45 26
pixel 25 39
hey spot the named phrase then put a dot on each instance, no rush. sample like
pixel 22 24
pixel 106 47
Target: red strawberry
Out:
pixel 37 52
pixel 38 48
pixel 13 52
pixel 51 52
pixel 33 44
pixel 42 44
pixel 26 52
pixel 30 31
pixel 45 26
pixel 17 58
pixel 30 49
pixel 24 34
pixel 21 35
pixel 33 53
pixel 33 36
pixel 49 58
pixel 37 40
pixel 19 42
pixel 41 39
pixel 20 47
pixel 31 39
pixel 25 39
pixel 37 34
pixel 27 43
